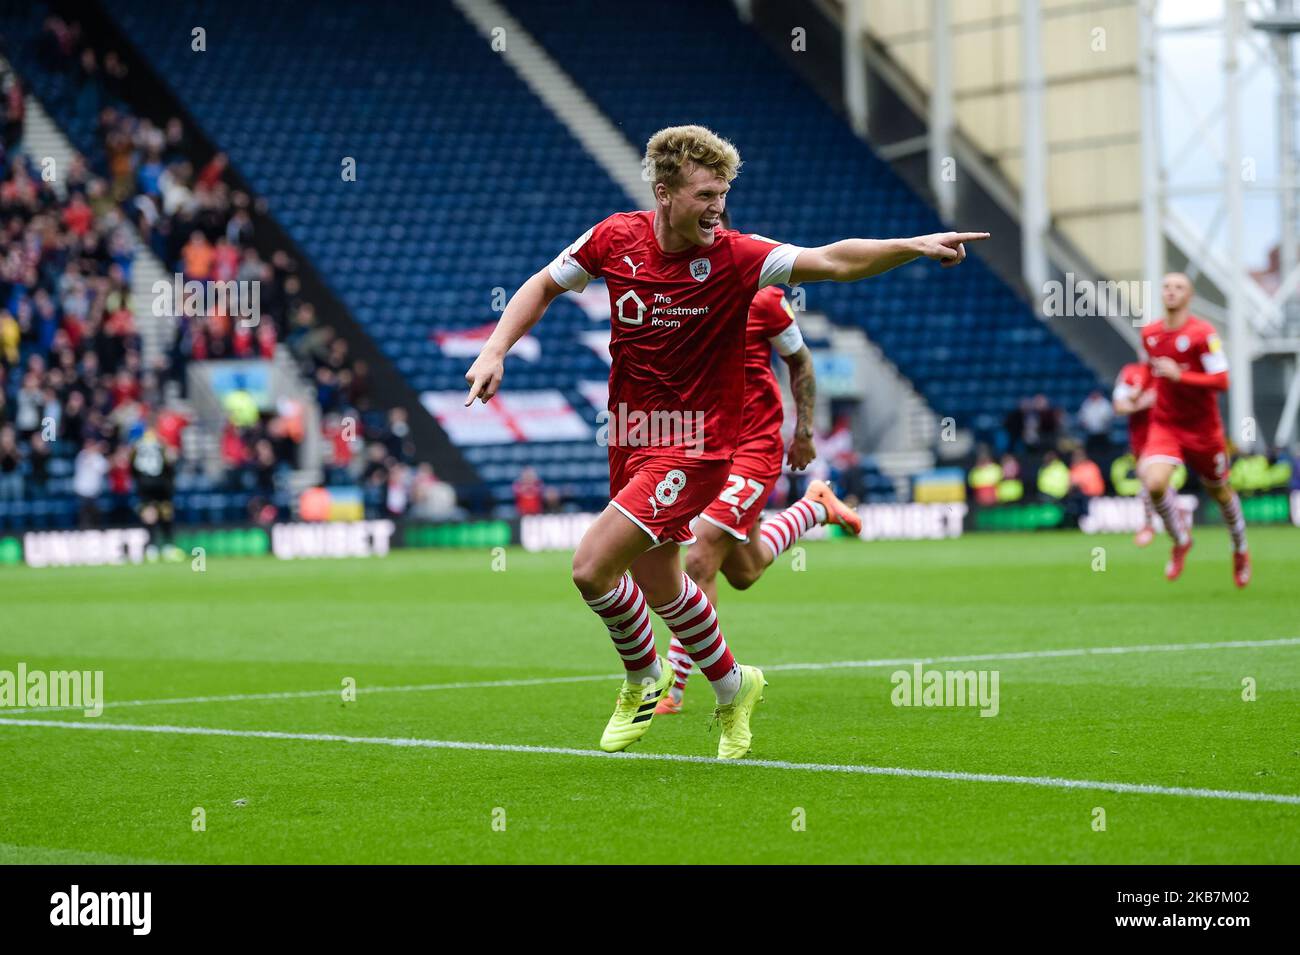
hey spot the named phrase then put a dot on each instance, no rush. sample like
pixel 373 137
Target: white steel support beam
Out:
pixel 1290 248
pixel 1241 403
pixel 943 172
pixel 855 65
pixel 1290 409
pixel 1153 233
pixel 1033 186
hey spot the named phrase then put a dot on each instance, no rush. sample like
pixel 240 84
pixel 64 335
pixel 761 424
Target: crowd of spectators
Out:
pixel 204 230
pixel 74 389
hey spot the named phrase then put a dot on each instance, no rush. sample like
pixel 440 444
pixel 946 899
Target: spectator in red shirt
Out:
pixel 78 216
pixel 340 438
pixel 211 173
pixel 266 340
pixel 199 349
pixel 125 388
pixel 234 453
pixel 119 471
pixel 170 426
pixel 984 478
pixel 225 261
pixel 529 493
pixel 19 189
pixel 243 340
pixel 120 323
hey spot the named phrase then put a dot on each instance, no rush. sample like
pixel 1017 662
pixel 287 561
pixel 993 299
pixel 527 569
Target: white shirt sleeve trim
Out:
pixel 1214 362
pixel 778 265
pixel 788 341
pixel 568 274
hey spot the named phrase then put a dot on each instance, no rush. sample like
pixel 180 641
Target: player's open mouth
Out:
pixel 708 225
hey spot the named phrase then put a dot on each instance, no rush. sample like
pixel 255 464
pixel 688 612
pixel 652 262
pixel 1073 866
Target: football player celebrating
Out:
pixel 1189 369
pixel 679 289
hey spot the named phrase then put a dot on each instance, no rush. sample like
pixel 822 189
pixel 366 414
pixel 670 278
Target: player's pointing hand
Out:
pixel 949 248
pixel 484 377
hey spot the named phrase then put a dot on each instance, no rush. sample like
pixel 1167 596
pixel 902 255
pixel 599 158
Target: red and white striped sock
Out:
pixel 694 623
pixel 1166 506
pixel 787 527
pixel 624 613
pixel 681 663
pixel 1147 509
pixel 1236 522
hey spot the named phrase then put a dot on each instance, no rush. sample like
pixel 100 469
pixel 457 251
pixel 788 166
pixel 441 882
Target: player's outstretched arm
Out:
pixel 852 259
pixel 523 311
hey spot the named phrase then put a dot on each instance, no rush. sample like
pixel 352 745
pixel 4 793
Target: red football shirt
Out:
pixel 771 324
pixel 1196 347
pixel 677 329
pixel 1135 378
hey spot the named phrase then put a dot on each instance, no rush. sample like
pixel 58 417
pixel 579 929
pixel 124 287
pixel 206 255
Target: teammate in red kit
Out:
pixel 1189 370
pixel 728 536
pixel 679 288
pixel 1133 397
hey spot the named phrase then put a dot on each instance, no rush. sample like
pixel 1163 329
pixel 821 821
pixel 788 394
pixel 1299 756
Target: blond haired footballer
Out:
pixel 680 286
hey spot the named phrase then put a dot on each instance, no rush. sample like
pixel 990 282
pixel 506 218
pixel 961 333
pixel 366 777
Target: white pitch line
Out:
pixel 1047 654
pixel 774 668
pixel 304 694
pixel 1050 782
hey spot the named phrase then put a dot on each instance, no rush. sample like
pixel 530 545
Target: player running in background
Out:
pixel 727 535
pixel 679 289
pixel 1133 397
pixel 1189 369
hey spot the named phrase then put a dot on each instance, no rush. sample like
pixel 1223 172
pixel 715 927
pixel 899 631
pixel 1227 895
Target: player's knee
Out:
pixel 701 565
pixel 1156 484
pixel 590 577
pixel 742 579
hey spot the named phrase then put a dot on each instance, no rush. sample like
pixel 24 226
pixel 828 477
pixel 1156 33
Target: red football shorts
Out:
pixel 1204 453
pixel 754 472
pixel 1137 438
pixel 662 493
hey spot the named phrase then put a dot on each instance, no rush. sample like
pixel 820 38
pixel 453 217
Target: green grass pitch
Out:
pixel 1171 719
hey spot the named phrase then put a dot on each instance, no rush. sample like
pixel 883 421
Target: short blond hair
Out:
pixel 673 148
